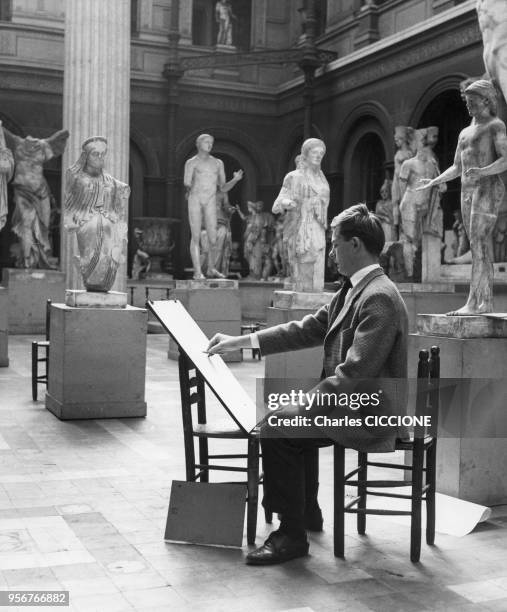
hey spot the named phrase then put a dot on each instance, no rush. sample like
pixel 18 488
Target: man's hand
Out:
pixel 222 343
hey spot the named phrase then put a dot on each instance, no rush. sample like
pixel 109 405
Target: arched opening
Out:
pixel 367 171
pixel 448 112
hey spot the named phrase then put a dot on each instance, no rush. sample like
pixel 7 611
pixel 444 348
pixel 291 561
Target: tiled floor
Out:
pixel 83 507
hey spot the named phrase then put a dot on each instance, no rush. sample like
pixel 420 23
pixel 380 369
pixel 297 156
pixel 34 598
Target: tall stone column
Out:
pixel 96 99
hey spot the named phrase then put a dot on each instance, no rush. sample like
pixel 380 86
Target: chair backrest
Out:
pixel 428 392
pixel 48 317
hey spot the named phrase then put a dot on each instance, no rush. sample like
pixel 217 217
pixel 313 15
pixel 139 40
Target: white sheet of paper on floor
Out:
pixel 212 514
pixel 187 334
pixel 454 516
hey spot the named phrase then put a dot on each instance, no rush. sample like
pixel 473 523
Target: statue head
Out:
pixel 420 139
pixel 204 142
pixel 94 150
pixel 431 135
pixel 385 190
pixel 312 151
pixel 402 135
pixel 479 91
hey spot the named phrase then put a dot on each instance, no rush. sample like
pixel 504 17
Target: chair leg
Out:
pixel 204 459
pixel 35 355
pixel 253 489
pixel 430 493
pixel 339 501
pixel 415 527
pixel 362 475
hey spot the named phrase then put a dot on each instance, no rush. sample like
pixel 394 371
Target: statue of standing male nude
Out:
pixel 204 174
pixel 481 155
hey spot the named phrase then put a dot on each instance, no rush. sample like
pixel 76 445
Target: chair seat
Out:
pixel 218 430
pixel 408 444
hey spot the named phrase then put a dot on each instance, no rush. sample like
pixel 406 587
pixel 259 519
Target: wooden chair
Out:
pixel 423 447
pixel 42 345
pixel 193 399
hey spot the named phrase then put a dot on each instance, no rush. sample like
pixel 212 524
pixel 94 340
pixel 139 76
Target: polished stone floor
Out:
pixel 83 506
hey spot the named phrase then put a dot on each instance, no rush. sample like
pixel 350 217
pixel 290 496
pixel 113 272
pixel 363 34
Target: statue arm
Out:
pixel 56 144
pixel 236 177
pixel 188 174
pixel 447 175
pixel 285 199
pixel 11 140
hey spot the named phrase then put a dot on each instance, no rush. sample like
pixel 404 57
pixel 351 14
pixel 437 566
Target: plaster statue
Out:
pixel 141 264
pixel 32 206
pixel 306 190
pixel 415 205
pixel 493 25
pixel 96 209
pixel 481 155
pixel 434 221
pixel 403 138
pixel 6 171
pixel 204 175
pixel 277 251
pixel 290 218
pixel 253 248
pixel 224 236
pixel 224 17
pixel 384 211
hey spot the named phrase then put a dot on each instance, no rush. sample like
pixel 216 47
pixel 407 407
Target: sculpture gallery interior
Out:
pixel 253 305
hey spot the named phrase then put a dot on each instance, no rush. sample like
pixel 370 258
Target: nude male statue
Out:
pixel 481 155
pixel 203 175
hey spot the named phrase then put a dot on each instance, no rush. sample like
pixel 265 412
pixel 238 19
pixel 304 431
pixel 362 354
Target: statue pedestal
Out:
pixel 4 328
pixel 256 297
pixel 216 307
pixel 97 362
pixel 28 292
pixel 470 468
pixel 293 306
pixel 78 298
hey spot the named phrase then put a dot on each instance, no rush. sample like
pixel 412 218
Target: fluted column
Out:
pixel 96 98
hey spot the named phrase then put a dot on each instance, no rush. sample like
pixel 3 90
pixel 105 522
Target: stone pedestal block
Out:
pixel 97 362
pixel 470 468
pixel 77 298
pixel 28 292
pixel 214 305
pixel 293 306
pixel 4 328
pixel 256 297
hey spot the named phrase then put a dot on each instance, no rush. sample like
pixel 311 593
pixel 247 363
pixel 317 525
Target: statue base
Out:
pixel 215 306
pixel 97 362
pixel 78 298
pixel 293 306
pixel 28 292
pixel 4 326
pixel 493 325
pixel 256 297
pixel 470 467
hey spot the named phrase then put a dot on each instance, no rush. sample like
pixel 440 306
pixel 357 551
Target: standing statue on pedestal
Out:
pixel 481 155
pixel 224 17
pixel 30 221
pixel 225 210
pixel 96 210
pixel 141 264
pixel 291 216
pixel 6 171
pixel 384 211
pixel 204 174
pixel 403 138
pixel 306 190
pixel 253 247
pixel 415 205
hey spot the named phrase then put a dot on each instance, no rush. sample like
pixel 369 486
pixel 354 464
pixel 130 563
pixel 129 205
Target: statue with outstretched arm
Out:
pixel 481 156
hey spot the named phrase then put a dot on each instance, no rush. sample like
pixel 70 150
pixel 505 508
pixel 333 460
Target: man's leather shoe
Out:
pixel 279 547
pixel 314 520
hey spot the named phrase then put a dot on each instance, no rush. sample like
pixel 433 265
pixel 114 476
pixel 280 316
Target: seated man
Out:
pixel 364 334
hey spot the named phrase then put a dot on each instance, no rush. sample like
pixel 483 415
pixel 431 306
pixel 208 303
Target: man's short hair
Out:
pixel 360 222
